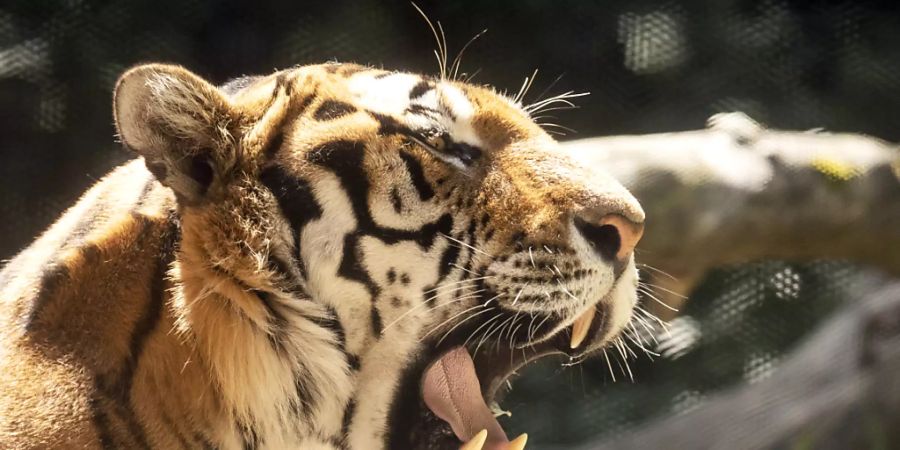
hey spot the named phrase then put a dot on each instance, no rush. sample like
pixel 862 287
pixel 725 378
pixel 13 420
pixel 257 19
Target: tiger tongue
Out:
pixel 452 392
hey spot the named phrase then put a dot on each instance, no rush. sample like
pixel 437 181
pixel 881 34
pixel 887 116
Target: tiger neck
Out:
pixel 279 372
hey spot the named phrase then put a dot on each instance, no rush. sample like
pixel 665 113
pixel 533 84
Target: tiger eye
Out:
pixel 438 143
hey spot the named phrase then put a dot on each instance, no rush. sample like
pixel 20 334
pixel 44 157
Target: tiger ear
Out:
pixel 180 124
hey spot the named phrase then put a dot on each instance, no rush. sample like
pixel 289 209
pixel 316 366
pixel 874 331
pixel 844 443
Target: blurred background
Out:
pixel 650 67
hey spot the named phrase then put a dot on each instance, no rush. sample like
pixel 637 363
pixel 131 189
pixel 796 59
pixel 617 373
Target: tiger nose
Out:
pixel 613 236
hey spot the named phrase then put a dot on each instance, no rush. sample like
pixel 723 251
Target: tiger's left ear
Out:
pixel 181 125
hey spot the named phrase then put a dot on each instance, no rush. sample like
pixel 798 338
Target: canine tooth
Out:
pixel 581 327
pixel 477 441
pixel 519 442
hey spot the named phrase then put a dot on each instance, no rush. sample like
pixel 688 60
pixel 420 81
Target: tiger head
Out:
pixel 434 219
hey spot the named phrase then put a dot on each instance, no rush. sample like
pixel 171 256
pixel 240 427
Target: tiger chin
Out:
pixel 327 257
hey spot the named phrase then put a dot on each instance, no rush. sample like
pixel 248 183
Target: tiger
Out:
pixel 332 256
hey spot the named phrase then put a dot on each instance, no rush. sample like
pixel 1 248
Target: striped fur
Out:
pixel 284 252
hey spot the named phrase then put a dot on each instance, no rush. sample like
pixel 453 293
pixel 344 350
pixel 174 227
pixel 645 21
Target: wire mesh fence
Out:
pixel 650 67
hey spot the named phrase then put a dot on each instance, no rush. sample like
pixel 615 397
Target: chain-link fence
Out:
pixel 649 66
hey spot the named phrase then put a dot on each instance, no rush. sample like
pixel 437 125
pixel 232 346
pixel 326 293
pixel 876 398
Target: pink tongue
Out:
pixel 451 390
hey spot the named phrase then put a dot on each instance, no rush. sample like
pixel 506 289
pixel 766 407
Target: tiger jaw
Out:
pixel 461 381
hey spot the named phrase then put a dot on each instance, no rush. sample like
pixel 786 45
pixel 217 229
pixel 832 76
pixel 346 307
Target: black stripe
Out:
pixel 54 276
pixel 417 176
pixel 173 428
pixel 333 323
pixel 353 362
pixel 279 266
pixel 250 438
pixel 420 89
pixel 333 109
pixel 349 409
pixel 448 258
pixel 351 266
pixel 298 108
pixel 205 442
pixel 153 314
pixel 396 200
pixel 274 144
pixel 377 325
pixel 294 110
pixel 388 125
pixel 345 159
pixel 111 394
pixel 297 202
pixel 101 423
pixel 470 243
pixel 149 185
pixel 283 82
pixel 423 110
pixel 278 321
pixel 308 394
pixel 120 391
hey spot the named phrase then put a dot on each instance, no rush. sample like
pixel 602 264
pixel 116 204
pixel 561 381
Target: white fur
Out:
pixel 386 95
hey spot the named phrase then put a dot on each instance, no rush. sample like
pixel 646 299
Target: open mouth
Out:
pixel 461 382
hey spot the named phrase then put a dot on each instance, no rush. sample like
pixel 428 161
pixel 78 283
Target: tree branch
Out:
pixel 839 389
pixel 736 192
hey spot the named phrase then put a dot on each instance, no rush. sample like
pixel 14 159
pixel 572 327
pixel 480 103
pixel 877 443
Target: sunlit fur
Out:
pixel 205 305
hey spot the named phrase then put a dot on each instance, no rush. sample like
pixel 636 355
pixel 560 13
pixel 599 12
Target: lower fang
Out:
pixel 581 327
pixel 477 441
pixel 518 443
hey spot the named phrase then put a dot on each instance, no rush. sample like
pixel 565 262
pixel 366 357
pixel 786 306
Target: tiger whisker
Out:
pixel 566 291
pixel 539 326
pixel 474 333
pixel 647 326
pixel 457 61
pixel 624 345
pixel 557 108
pixel 426 301
pixel 483 304
pixel 472 75
pixel 526 85
pixel 657 300
pixel 635 337
pixel 464 269
pixel 519 294
pixel 609 365
pixel 538 107
pixel 485 336
pixel 531 331
pixel 651 354
pixel 650 315
pixel 556 125
pixel 462 322
pixel 441 52
pixel 503 329
pixel 549 86
pixel 664 290
pixel 561 98
pixel 465 280
pixel 475 249
pixel 512 335
pixel 480 305
pixel 624 361
pixel 659 271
